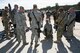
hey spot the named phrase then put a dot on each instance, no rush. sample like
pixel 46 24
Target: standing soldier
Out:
pixel 48 14
pixel 71 23
pixel 55 17
pixel 48 30
pixel 5 18
pixel 21 25
pixel 14 11
pixel 61 24
pixel 36 19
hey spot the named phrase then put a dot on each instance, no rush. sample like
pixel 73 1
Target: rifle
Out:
pixel 71 21
pixel 38 30
pixel 9 9
pixel 10 13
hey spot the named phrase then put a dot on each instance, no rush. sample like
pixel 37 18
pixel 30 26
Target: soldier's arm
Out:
pixel 29 17
pixel 71 17
pixel 57 17
pixel 58 20
pixel 66 18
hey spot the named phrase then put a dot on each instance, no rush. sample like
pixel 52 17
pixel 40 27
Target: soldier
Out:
pixel 48 14
pixel 55 16
pixel 14 11
pixel 36 19
pixel 48 30
pixel 21 25
pixel 5 18
pixel 61 24
pixel 70 23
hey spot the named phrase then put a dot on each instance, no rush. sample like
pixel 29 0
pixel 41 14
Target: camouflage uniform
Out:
pixel 48 14
pixel 61 24
pixel 13 13
pixel 48 30
pixel 55 17
pixel 13 19
pixel 21 26
pixel 5 19
pixel 34 24
pixel 70 24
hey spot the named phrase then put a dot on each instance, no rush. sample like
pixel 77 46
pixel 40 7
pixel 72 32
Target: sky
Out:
pixel 27 4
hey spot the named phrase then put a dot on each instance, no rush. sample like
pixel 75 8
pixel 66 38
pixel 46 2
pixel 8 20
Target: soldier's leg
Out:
pixel 59 34
pixel 36 38
pixel 7 30
pixel 18 35
pixel 23 34
pixel 33 35
pixel 70 32
pixel 50 36
pixel 23 37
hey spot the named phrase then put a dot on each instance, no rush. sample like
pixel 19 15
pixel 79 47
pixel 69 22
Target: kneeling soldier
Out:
pixel 48 30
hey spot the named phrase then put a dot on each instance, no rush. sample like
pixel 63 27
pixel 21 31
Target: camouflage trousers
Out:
pixel 21 34
pixel 34 35
pixel 69 31
pixel 6 28
pixel 59 33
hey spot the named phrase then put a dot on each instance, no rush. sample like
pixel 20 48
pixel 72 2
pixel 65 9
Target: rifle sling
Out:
pixel 71 21
pixel 35 19
pixel 37 24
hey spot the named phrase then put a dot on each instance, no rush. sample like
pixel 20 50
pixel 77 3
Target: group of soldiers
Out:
pixel 18 20
pixel 64 21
